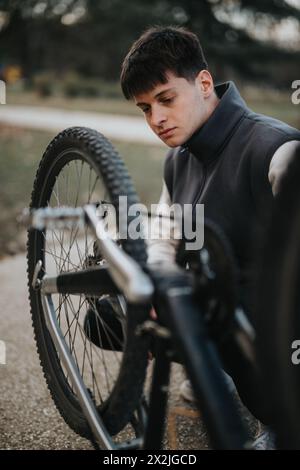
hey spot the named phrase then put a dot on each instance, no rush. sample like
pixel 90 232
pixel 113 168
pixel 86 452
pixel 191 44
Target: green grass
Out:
pixel 281 108
pixel 21 151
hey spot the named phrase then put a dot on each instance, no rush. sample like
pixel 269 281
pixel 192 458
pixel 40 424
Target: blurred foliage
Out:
pixel 91 37
pixel 70 85
pixel 44 84
pixel 74 85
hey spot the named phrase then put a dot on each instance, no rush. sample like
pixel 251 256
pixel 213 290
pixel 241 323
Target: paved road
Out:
pixel 125 128
pixel 29 419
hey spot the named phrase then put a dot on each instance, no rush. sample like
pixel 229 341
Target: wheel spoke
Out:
pixel 79 184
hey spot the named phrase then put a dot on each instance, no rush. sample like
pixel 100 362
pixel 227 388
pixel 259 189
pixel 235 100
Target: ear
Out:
pixel 205 82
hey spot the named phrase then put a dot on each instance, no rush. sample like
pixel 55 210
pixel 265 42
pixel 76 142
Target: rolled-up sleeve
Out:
pixel 165 234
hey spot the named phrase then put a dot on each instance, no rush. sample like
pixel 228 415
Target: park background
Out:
pixel 66 54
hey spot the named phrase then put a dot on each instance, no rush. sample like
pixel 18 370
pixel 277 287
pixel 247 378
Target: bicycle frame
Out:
pixel 172 293
pixel 173 296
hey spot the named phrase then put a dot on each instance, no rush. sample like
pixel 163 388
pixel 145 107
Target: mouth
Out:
pixel 167 132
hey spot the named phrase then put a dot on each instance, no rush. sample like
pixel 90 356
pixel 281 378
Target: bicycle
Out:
pixel 80 176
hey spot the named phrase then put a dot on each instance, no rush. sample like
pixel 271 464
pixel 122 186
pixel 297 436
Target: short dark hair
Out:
pixel 158 51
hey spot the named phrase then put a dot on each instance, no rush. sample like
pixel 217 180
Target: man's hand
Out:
pixel 153 314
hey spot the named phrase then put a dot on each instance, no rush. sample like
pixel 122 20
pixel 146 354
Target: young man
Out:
pixel 221 155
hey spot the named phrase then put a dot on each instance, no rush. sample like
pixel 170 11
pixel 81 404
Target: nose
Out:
pixel 158 116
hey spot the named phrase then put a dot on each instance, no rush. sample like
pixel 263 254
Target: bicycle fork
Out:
pixel 158 396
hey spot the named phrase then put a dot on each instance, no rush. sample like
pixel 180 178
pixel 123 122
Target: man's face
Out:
pixel 176 109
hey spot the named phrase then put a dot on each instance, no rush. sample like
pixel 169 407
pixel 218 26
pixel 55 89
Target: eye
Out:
pixel 167 100
pixel 146 109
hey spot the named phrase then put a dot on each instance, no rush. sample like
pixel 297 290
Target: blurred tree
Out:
pixel 32 30
pixel 227 32
pixel 91 37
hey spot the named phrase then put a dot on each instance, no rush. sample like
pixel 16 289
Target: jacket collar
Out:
pixel 209 140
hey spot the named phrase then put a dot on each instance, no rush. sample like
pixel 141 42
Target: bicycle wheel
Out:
pixel 277 316
pixel 78 167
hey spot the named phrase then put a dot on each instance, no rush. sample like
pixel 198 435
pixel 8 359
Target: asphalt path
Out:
pixel 124 128
pixel 29 419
